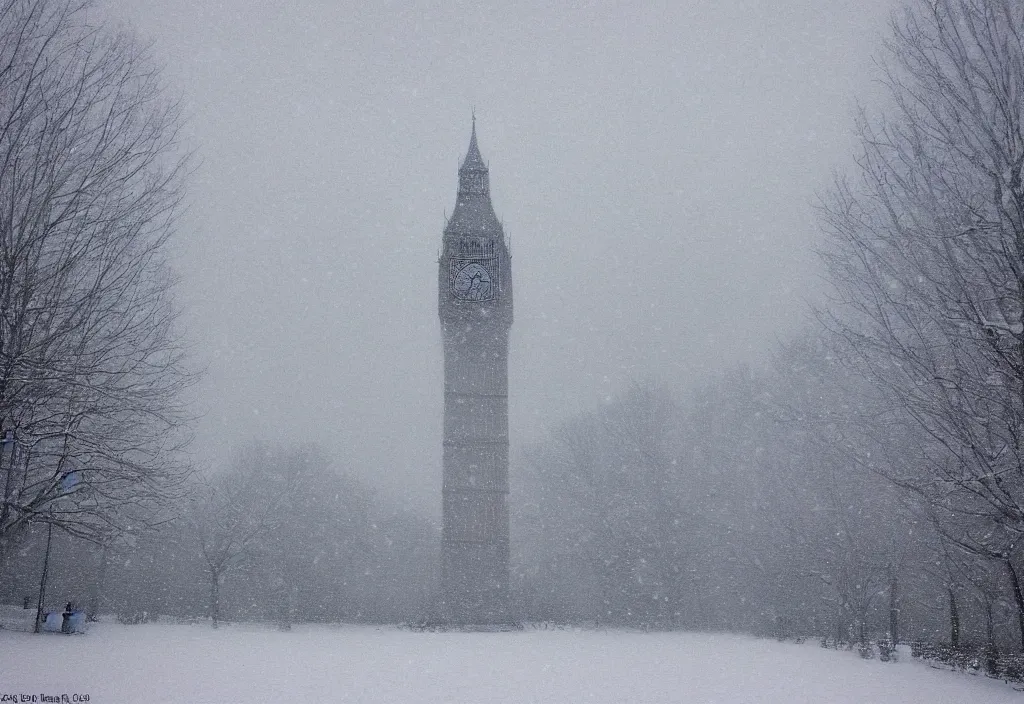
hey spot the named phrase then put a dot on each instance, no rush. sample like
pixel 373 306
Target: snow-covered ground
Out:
pixel 252 663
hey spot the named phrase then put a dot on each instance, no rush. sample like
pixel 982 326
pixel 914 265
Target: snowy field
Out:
pixel 251 663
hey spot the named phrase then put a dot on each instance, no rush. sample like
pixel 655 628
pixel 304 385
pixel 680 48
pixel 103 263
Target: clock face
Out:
pixel 472 280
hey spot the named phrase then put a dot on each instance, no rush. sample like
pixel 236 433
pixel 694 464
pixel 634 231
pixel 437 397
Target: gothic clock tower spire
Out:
pixel 475 306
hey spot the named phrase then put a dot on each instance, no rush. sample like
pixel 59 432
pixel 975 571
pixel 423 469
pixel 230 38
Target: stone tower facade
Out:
pixel 475 306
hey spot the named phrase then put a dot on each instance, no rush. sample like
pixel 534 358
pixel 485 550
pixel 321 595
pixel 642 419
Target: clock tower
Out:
pixel 475 306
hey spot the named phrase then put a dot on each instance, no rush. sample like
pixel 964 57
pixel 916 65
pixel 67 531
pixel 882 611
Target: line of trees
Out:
pixel 93 421
pixel 748 504
pixel 927 254
pixel 280 536
pixel 873 480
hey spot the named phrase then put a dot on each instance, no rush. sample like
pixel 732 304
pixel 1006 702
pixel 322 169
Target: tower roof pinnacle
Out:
pixel 473 212
pixel 473 160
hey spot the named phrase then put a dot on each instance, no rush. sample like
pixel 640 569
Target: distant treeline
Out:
pixel 751 504
pixel 281 536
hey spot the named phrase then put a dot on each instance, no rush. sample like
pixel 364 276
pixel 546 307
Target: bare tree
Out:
pixel 927 257
pixel 286 514
pixel 229 518
pixel 90 361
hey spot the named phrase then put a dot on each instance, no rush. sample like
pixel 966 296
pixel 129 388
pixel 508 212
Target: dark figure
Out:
pixel 65 624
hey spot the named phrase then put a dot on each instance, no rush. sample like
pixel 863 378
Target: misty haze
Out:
pixel 471 352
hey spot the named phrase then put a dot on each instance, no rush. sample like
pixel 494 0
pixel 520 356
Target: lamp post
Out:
pixel 7 443
pixel 42 580
pixel 66 484
pixel 7 470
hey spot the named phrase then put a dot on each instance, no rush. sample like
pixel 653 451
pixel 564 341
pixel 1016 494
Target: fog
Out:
pixel 765 374
pixel 654 168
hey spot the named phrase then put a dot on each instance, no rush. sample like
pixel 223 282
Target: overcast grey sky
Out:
pixel 654 164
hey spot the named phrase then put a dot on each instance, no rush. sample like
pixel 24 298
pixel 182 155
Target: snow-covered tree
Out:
pixel 91 365
pixel 927 256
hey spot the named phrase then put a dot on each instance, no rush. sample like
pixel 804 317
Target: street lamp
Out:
pixel 7 470
pixel 66 484
pixel 42 580
pixel 7 449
